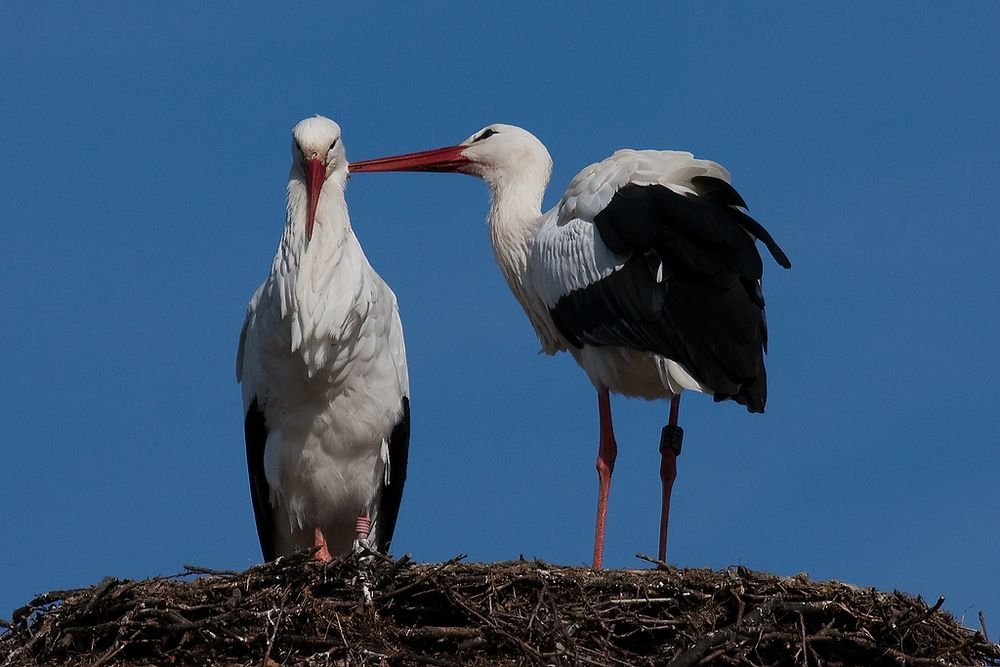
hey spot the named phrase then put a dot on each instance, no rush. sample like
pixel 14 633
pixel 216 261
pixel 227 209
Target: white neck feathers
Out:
pixel 318 279
pixel 515 214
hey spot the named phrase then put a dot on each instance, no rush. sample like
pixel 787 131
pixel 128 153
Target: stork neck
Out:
pixel 332 225
pixel 514 218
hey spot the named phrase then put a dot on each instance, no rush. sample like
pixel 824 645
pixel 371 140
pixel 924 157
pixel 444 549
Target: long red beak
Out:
pixel 449 158
pixel 315 176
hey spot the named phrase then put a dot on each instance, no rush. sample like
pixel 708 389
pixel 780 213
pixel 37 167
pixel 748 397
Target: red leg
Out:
pixel 670 448
pixel 606 455
pixel 324 552
pixel 362 526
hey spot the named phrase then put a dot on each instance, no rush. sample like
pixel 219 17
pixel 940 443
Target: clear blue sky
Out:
pixel 145 154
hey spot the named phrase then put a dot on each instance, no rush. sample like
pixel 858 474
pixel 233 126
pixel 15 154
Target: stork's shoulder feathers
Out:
pixel 591 190
pixel 569 254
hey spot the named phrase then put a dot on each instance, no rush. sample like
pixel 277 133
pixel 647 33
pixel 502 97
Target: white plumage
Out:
pixel 322 365
pixel 646 271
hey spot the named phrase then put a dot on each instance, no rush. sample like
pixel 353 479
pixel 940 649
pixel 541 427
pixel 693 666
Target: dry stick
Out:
pixel 923 617
pixel 104 659
pixel 805 646
pixel 440 632
pixel 343 637
pixel 982 624
pixel 742 607
pixel 712 639
pixel 422 578
pixel 604 656
pixel 655 561
pixel 708 659
pixel 198 569
pixel 375 553
pixel 494 625
pixel 270 641
pixel 390 573
pixel 538 605
pixel 426 659
pixel 874 649
pixel 43 600
pixel 595 613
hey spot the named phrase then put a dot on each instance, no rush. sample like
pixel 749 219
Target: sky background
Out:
pixel 145 152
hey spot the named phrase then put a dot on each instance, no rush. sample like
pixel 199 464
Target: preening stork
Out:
pixel 323 372
pixel 646 271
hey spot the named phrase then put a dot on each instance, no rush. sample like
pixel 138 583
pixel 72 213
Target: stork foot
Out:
pixel 364 551
pixel 324 551
pixel 362 527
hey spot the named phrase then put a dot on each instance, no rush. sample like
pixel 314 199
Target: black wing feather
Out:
pixel 392 493
pixel 724 193
pixel 707 312
pixel 255 431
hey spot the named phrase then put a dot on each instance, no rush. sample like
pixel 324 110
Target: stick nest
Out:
pixel 297 611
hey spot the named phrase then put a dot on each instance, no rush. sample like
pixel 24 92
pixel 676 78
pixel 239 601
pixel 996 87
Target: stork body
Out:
pixel 646 271
pixel 322 366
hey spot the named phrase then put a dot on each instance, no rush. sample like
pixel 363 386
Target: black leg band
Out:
pixel 671 437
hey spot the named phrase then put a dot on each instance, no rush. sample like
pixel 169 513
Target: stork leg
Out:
pixel 362 527
pixel 606 455
pixel 670 448
pixel 319 541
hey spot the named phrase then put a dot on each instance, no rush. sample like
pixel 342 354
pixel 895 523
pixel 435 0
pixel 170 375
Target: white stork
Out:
pixel 323 372
pixel 646 271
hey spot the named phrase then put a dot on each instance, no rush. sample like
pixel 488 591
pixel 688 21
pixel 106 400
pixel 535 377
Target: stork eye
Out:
pixel 334 143
pixel 488 132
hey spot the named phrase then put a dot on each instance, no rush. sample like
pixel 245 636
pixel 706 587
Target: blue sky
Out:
pixel 146 151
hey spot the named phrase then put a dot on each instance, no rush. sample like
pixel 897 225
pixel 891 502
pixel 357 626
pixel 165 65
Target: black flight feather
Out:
pixel 392 493
pixel 255 432
pixel 724 193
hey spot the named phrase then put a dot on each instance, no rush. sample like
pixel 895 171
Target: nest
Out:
pixel 373 610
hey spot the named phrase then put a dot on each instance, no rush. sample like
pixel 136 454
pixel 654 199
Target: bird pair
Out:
pixel 646 271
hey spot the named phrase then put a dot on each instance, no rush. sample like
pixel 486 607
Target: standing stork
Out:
pixel 646 271
pixel 323 372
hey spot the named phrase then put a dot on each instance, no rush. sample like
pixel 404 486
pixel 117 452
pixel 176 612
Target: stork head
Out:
pixel 317 155
pixel 495 153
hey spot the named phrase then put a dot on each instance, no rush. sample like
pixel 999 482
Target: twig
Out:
pixel 538 605
pixel 661 565
pixel 343 637
pixel 805 646
pixel 198 569
pixel 393 569
pixel 709 641
pixel 102 588
pixel 277 622
pixel 930 610
pixel 437 632
pixel 104 659
pixel 425 659
pixel 422 578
